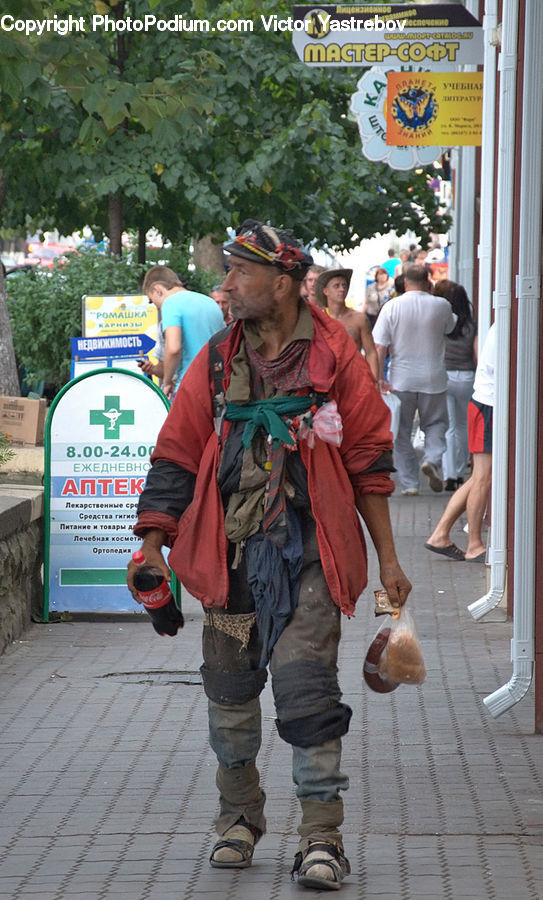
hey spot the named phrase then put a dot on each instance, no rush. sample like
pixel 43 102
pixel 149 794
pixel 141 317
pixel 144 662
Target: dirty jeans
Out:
pixel 311 636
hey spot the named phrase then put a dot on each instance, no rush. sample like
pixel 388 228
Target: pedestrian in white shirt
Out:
pixel 412 329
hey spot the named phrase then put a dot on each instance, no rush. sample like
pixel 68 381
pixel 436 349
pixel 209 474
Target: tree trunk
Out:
pixel 115 224
pixel 3 189
pixel 9 381
pixel 142 245
pixel 208 255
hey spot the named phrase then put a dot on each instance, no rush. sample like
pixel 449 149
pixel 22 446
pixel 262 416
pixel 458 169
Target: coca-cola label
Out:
pixel 158 597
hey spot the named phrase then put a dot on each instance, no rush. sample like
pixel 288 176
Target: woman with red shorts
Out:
pixel 472 496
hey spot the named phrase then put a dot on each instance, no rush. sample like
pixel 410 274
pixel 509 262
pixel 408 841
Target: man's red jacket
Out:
pixel 335 474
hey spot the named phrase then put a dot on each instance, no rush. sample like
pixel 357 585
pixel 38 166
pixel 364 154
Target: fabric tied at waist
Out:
pixel 273 574
pixel 267 414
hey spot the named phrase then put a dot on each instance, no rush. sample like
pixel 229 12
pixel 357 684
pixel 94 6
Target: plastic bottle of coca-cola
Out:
pixel 157 597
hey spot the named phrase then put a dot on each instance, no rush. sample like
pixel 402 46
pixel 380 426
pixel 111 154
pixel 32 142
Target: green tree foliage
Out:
pixel 281 144
pixel 45 307
pixel 9 382
pixel 82 114
pixel 191 131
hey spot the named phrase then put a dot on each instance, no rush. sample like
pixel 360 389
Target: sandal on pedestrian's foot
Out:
pixel 322 866
pixel 450 550
pixel 234 850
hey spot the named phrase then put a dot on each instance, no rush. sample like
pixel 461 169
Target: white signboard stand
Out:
pixel 100 433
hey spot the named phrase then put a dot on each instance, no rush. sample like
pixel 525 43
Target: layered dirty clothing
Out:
pixel 183 496
pixel 261 517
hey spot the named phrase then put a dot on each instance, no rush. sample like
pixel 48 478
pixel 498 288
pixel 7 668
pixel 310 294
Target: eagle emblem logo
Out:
pixel 414 108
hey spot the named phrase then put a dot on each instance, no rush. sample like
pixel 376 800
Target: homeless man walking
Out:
pixel 255 483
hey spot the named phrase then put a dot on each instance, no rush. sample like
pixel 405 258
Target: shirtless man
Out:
pixel 331 290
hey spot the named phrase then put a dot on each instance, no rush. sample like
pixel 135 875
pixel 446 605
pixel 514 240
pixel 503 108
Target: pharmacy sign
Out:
pixel 111 417
pixel 100 433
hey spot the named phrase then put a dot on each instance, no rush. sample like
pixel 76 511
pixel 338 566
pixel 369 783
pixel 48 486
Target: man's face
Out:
pixel 222 300
pixel 251 289
pixel 154 295
pixel 336 289
pixel 310 282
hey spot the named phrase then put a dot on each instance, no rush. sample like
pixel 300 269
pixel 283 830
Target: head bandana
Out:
pixel 270 246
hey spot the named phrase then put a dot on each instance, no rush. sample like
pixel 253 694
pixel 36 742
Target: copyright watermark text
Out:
pixel 179 24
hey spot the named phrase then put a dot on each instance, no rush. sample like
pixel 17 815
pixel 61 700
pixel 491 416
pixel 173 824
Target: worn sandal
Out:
pixel 235 849
pixel 322 866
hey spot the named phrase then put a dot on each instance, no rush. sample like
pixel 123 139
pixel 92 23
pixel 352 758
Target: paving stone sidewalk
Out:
pixel 107 783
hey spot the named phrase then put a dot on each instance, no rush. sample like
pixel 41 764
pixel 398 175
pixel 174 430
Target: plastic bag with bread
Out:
pixel 401 660
pixel 394 656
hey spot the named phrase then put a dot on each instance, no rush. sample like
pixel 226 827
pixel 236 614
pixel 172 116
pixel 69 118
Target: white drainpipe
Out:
pixel 502 303
pixel 484 250
pixel 454 231
pixel 529 295
pixel 465 262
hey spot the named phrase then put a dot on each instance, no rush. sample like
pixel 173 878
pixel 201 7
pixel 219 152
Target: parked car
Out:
pixel 38 254
pixel 20 270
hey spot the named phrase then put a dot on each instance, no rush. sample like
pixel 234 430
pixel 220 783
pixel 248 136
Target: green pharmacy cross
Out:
pixel 111 417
